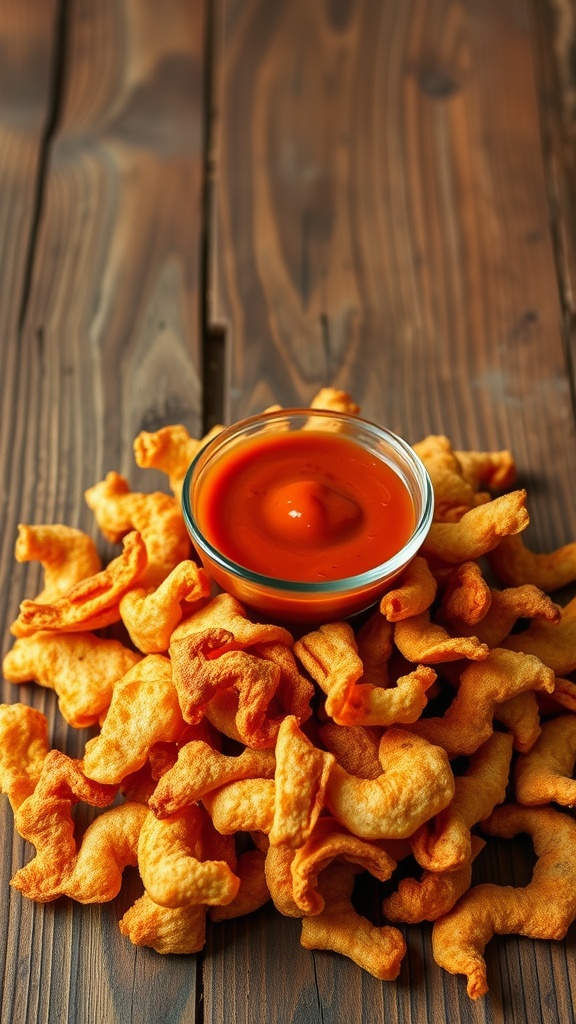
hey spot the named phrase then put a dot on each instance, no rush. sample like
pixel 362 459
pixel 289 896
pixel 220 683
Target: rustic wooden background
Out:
pixel 208 207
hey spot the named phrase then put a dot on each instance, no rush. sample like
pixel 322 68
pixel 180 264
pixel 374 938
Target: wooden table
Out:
pixel 206 208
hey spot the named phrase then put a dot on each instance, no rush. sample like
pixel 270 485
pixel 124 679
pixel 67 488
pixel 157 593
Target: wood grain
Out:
pixel 110 345
pixel 382 224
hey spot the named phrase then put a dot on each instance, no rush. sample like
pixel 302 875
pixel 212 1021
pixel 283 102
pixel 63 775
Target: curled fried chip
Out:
pixel 543 909
pixel 415 784
pixel 93 602
pixel 67 555
pixel 23 749
pixel 375 645
pixel 434 894
pixel 253 892
pixel 413 593
pixel 144 709
pixel 494 470
pixel 340 928
pixel 80 667
pixel 444 844
pixel 225 612
pixel 400 704
pixel 165 929
pixel 355 747
pixel 453 493
pixel 302 772
pixel 294 692
pixel 479 530
pixel 45 820
pixel 156 517
pixel 506 607
pixel 562 698
pixel 420 640
pixel 152 616
pixel 172 865
pixel 330 655
pixel 468 722
pixel 515 564
pixel 202 666
pixel 171 450
pixel 243 806
pixel 467 596
pixel 278 873
pixel 520 715
pixel 544 774
pixel 553 642
pixel 334 400
pixel 201 769
pixel 327 842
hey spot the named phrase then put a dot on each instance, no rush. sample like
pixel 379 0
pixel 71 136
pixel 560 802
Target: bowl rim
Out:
pixel 370 577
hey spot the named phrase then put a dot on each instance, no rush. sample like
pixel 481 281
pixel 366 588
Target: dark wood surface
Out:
pixel 206 208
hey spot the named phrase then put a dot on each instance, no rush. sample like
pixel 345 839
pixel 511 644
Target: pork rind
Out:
pixel 479 530
pixel 545 774
pixel 165 929
pixel 301 776
pixel 505 608
pixel 81 668
pixel 93 602
pixel 157 517
pixel 515 564
pixel 413 594
pixel 421 640
pixel 543 909
pixel 454 494
pixel 23 749
pixel 67 556
pixel 432 895
pixel 171 450
pixel 554 642
pixel 152 616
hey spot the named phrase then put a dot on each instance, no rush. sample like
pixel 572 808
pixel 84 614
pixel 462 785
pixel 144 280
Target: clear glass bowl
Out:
pixel 310 602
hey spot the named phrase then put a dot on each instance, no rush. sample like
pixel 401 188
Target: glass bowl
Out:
pixel 307 601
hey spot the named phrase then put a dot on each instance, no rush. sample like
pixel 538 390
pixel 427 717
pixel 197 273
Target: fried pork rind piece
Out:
pixel 334 400
pixel 202 666
pixel 172 864
pixel 544 774
pixel 434 894
pixel 355 747
pixel 144 710
pixel 514 564
pixel 468 722
pixel 400 704
pixel 156 517
pixel 341 929
pixel 520 716
pixel 413 593
pixel 165 929
pixel 330 656
pixel 467 596
pixel 243 806
pixel 421 640
pixel 479 530
pixel 81 668
pixel 253 892
pixel 45 820
pixel 453 493
pixel 152 616
pixel 171 450
pixel 415 784
pixel 544 909
pixel 506 607
pixel 225 612
pixel 562 698
pixel 330 841
pixel 494 470
pixel 23 749
pixel 67 556
pixel 301 777
pixel 201 769
pixel 553 642
pixel 444 844
pixel 93 602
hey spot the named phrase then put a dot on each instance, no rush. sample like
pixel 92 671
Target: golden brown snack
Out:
pixel 355 747
pixel 468 721
pixel 330 655
pixel 494 470
pixel 413 593
pixel 553 642
pixel 66 554
pixel 253 892
pixel 467 596
pixel 93 602
pixel 225 612
pixel 445 843
pixel 545 774
pixel 434 894
pixel 165 929
pixel 544 909
pixel 300 779
pixel 81 668
pixel 453 493
pixel 520 715
pixel 515 564
pixel 334 400
pixel 506 607
pixel 23 750
pixel 157 517
pixel 416 783
pixel 479 530
pixel 340 928
pixel 152 616
pixel 243 806
pixel 400 704
pixel 170 449
pixel 144 709
pixel 421 640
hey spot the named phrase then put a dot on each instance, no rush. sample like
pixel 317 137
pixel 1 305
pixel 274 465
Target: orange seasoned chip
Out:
pixel 67 555
pixel 152 616
pixel 171 450
pixel 515 564
pixel 330 655
pixel 253 892
pixel 412 594
pixel 545 774
pixel 421 640
pixel 23 749
pixel 553 641
pixel 479 530
pixel 165 929
pixel 302 772
pixel 467 596
pixel 434 894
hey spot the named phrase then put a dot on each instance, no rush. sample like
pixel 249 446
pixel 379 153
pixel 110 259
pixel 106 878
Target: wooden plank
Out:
pixel 381 224
pixel 110 345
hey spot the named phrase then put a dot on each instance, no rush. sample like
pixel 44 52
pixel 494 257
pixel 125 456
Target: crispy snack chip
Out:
pixel 171 450
pixel 301 777
pixel 152 616
pixel 412 595
pixel 515 564
pixel 479 530
pixel 67 556
pixel 23 750
pixel 545 774
pixel 434 894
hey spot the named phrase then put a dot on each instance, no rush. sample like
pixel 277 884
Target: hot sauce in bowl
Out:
pixel 307 515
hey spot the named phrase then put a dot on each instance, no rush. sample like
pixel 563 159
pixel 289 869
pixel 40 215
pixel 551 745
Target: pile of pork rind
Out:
pixel 234 764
